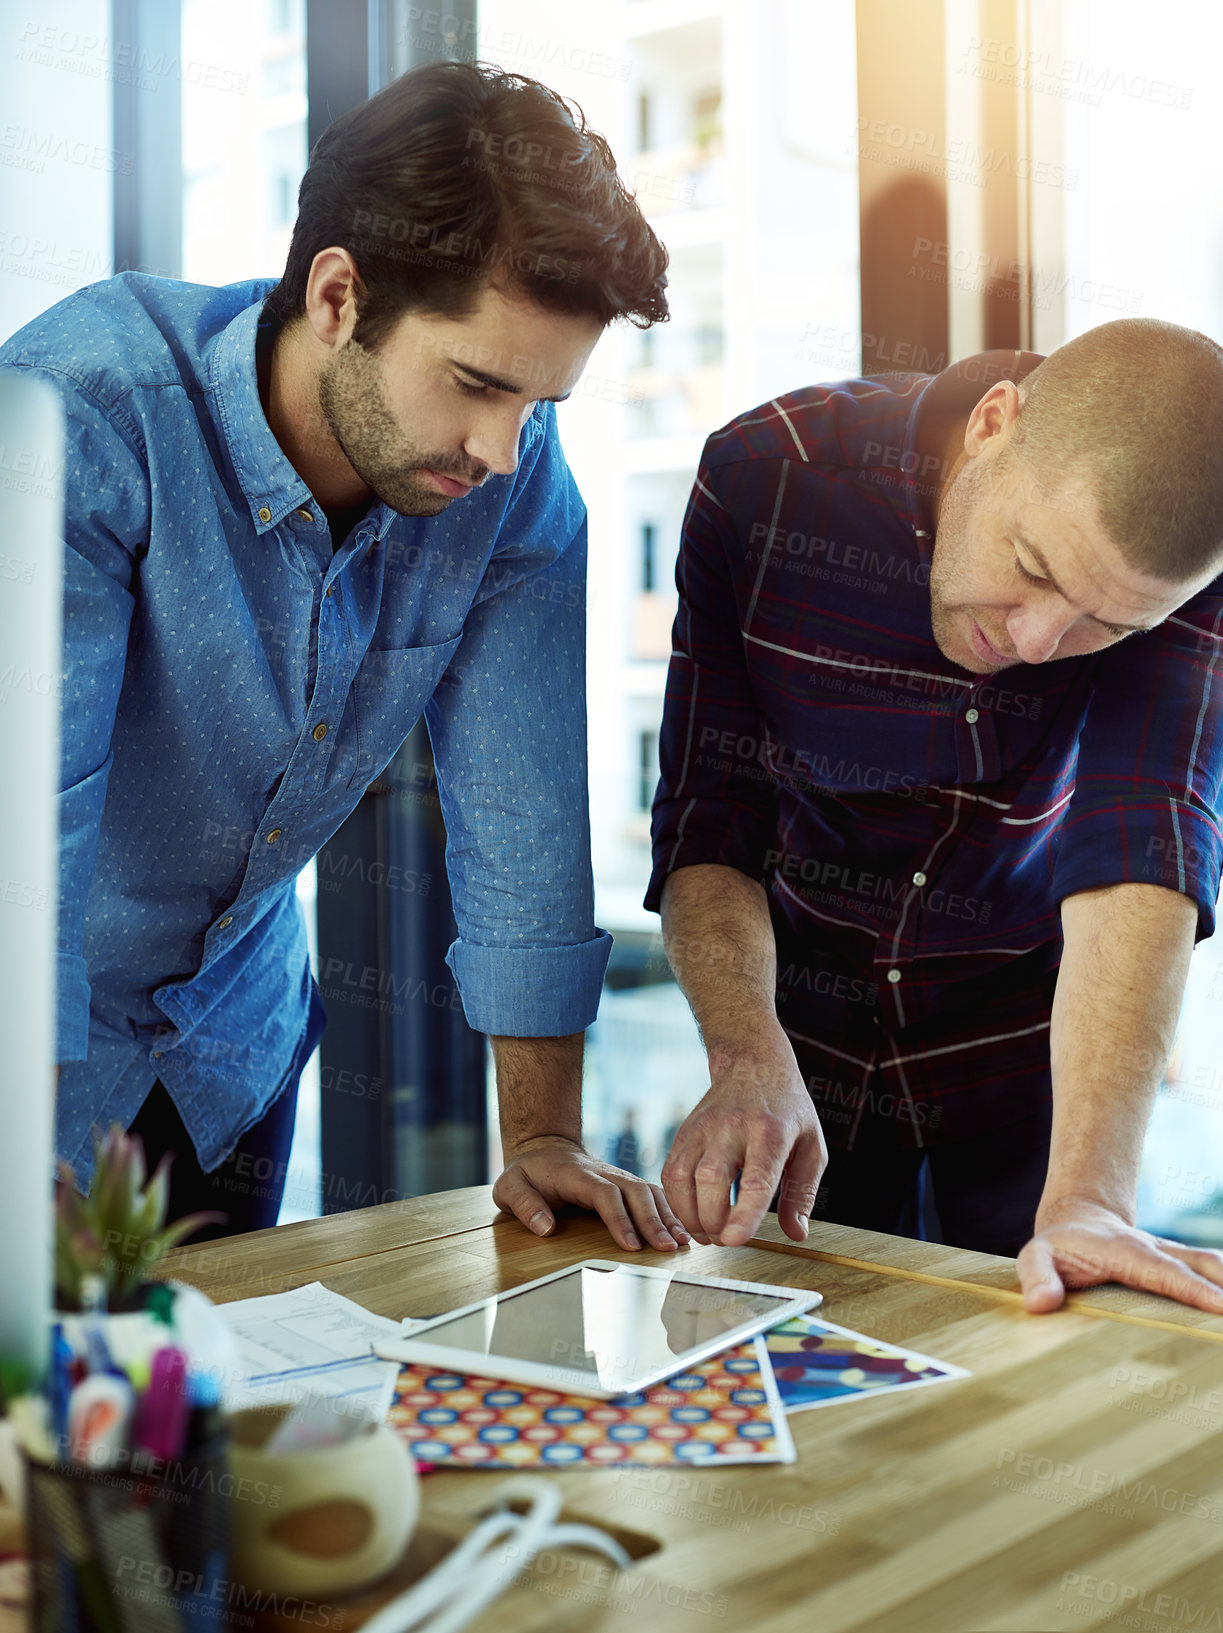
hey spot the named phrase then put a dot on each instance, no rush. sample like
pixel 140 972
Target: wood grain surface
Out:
pixel 1075 1479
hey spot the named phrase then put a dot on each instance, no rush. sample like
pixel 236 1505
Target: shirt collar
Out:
pixel 269 483
pixel 956 391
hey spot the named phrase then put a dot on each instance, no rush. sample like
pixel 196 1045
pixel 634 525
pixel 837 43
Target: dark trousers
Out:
pixel 978 1193
pixel 249 1184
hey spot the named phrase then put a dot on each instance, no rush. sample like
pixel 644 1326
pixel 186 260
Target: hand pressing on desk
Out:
pixel 1081 1244
pixel 550 1171
pixel 539 1094
pixel 1119 991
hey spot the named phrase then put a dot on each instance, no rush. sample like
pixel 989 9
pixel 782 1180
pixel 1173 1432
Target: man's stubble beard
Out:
pixel 948 574
pixel 353 403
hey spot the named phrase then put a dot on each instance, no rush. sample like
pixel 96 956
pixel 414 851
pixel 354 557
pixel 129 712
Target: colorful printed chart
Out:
pixel 816 1363
pixel 724 1411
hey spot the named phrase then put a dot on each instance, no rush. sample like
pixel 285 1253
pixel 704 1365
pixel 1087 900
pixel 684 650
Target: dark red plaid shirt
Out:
pixel 916 825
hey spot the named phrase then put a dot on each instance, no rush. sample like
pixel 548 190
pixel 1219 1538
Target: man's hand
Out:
pixel 1119 990
pixel 1081 1244
pixel 756 1121
pixel 550 1170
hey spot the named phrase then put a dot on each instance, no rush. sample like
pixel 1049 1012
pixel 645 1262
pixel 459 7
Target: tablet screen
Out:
pixel 614 1325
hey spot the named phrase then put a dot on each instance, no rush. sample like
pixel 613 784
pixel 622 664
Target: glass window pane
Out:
pixel 244 154
pixel 244 136
pixel 1142 228
pixel 56 147
pixel 690 110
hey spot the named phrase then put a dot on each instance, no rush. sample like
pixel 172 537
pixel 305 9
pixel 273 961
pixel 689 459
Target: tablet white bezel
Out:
pixel 415 1346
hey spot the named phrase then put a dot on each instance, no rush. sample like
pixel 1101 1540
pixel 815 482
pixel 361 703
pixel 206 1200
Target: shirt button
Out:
pixel 893 976
pixel 320 731
pixel 273 836
pixel 265 515
pixel 224 924
pixel 919 878
pixel 972 717
pixel 330 587
pixel 306 515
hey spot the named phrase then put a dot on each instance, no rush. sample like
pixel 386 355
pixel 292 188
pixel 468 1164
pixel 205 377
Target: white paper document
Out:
pixel 309 1342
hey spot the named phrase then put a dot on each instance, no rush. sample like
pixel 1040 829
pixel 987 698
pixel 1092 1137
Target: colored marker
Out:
pixel 60 1382
pixel 161 1423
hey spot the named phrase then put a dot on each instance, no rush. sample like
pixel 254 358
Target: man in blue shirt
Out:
pixel 941 807
pixel 298 515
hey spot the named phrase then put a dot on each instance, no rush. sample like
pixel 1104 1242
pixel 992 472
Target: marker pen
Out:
pixel 161 1422
pixel 60 1382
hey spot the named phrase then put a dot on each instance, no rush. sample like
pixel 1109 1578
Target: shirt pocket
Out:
pixel 392 687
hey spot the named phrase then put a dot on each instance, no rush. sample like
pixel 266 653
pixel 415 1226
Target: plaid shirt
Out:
pixel 916 825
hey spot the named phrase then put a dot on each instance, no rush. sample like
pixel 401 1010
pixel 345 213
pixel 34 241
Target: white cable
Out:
pixel 515 1555
pixel 484 1564
pixel 405 1612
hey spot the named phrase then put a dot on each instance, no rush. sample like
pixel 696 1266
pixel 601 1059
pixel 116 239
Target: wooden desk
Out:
pixel 1075 1479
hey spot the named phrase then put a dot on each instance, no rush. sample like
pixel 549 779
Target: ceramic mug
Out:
pixel 329 1519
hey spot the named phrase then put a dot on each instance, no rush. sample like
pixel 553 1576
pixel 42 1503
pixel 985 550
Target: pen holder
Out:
pixel 343 1513
pixel 113 1551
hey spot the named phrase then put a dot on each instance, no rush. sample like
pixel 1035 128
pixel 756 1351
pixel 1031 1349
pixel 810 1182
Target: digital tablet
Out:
pixel 599 1328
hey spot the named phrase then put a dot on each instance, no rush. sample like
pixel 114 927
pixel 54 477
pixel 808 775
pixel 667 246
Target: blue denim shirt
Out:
pixel 210 632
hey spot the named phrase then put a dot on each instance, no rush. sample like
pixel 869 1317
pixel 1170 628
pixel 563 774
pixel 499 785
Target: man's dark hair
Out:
pixel 457 176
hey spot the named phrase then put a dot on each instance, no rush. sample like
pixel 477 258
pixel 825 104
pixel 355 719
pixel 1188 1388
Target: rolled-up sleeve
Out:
pixel 715 800
pixel 1148 791
pixel 508 727
pixel 106 519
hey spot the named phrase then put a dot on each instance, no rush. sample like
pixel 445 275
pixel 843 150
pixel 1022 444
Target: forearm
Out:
pixel 719 941
pixel 539 1089
pixel 757 1120
pixel 1115 1010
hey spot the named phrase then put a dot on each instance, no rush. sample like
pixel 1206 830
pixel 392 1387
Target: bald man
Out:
pixel 938 822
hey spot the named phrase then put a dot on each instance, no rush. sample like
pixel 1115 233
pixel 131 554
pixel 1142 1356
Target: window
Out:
pixel 740 303
pixel 647 555
pixel 243 155
pixel 1136 212
pixel 647 760
pixel 244 150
